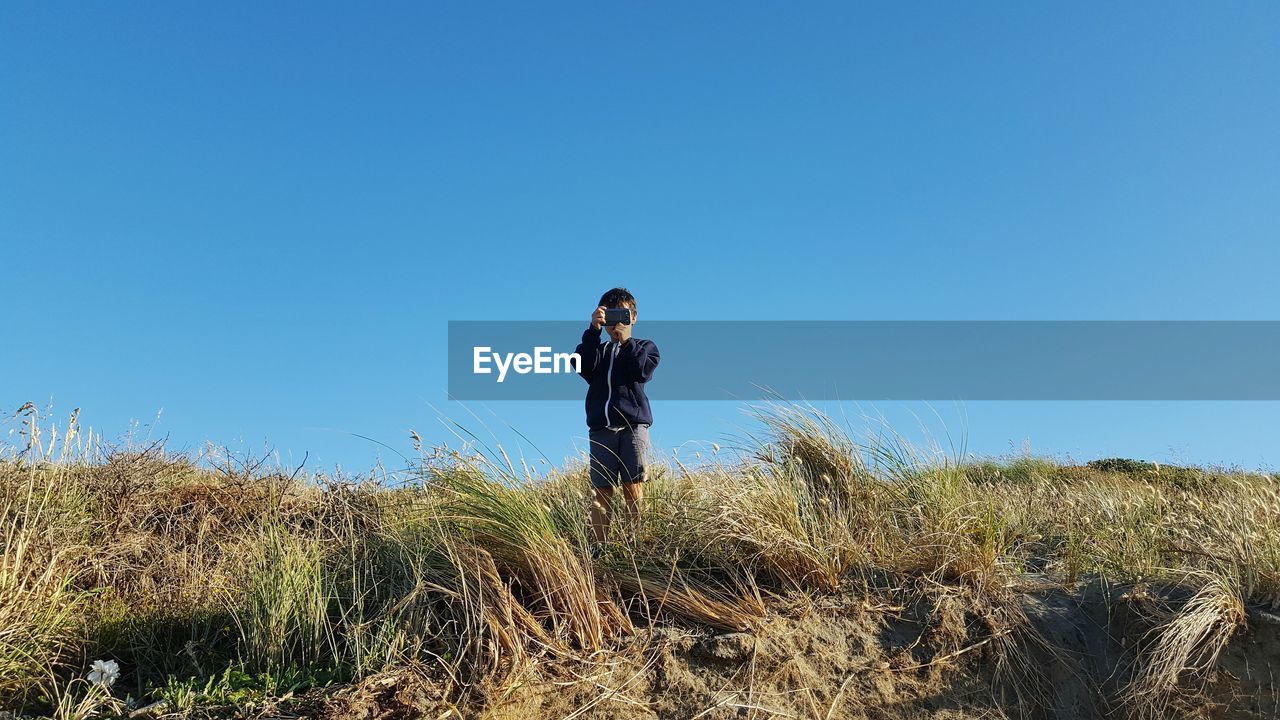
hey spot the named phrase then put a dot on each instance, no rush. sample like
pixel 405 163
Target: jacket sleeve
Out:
pixel 589 352
pixel 637 360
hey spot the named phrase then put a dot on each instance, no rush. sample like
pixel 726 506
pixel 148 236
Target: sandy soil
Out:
pixel 854 657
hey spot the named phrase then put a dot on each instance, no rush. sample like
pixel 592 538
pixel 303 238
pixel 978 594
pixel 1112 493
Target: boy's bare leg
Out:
pixel 600 514
pixel 634 494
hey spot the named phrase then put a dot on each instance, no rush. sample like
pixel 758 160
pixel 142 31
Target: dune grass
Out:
pixel 221 582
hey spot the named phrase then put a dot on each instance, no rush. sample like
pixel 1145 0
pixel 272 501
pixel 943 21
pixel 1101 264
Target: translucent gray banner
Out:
pixel 888 360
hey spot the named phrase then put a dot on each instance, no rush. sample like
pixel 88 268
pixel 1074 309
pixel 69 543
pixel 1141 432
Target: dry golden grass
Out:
pixel 183 569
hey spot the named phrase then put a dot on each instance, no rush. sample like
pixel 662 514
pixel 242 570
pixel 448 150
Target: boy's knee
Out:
pixel 634 491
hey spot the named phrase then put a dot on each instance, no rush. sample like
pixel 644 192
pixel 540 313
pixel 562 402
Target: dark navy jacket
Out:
pixel 616 375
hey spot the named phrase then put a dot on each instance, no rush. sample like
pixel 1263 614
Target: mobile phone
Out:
pixel 615 316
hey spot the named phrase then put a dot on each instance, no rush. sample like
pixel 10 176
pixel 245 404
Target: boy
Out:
pixel 618 411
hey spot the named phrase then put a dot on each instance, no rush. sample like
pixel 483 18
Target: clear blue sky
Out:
pixel 259 217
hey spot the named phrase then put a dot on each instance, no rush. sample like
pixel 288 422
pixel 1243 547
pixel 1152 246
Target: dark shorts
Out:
pixel 618 457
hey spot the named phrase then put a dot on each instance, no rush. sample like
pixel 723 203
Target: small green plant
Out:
pixel 235 687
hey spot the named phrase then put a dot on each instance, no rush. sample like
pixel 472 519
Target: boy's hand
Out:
pixel 597 318
pixel 620 333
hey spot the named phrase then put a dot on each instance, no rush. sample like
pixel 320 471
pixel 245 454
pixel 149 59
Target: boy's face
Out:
pixel 622 333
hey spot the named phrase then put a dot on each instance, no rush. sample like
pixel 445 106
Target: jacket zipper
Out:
pixel 609 382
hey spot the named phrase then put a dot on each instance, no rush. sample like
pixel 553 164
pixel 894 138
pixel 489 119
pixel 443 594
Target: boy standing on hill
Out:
pixel 618 411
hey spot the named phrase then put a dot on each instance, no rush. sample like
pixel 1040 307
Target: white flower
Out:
pixel 104 672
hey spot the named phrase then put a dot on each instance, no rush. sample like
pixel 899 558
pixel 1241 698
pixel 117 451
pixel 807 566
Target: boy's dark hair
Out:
pixel 618 297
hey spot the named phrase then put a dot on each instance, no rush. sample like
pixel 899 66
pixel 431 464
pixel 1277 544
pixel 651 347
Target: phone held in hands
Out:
pixel 616 316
